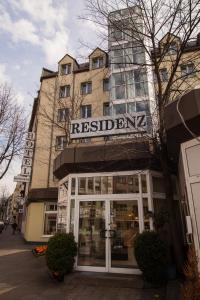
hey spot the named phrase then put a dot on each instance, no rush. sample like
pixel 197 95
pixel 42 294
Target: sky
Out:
pixel 36 34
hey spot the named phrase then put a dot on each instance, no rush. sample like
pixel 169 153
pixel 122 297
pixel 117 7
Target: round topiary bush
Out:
pixel 60 254
pixel 151 256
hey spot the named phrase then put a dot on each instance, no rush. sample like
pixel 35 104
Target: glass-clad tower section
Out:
pixel 131 80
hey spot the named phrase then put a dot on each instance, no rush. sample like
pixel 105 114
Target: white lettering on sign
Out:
pixel 120 124
pixel 29 144
pixel 27 162
pixel 27 159
pixel 31 136
pixel 28 153
pixel 21 178
pixel 26 171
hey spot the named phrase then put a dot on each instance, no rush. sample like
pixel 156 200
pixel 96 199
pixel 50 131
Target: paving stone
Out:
pixel 25 277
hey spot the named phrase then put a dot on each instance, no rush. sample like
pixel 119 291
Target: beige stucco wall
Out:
pixel 35 223
pixel 43 142
pixel 181 85
pixel 47 127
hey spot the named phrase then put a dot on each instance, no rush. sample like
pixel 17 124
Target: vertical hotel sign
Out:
pixel 27 159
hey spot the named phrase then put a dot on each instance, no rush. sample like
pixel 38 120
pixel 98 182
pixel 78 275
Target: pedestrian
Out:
pixel 14 225
pixel 6 223
pixel 1 226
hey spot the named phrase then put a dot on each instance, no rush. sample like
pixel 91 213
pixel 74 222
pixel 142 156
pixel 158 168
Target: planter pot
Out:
pixel 171 272
pixel 58 276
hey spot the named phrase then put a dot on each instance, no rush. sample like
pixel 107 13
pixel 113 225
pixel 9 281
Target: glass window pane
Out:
pixel 62 219
pixel 120 92
pixel 50 223
pixel 119 109
pixel 82 186
pixel 119 78
pixel 130 91
pixel 146 214
pixel 158 185
pixel 125 184
pixel 90 185
pixel 72 211
pixel 73 184
pixel 97 185
pixel 144 183
pixel 125 228
pixel 131 107
pixel 133 184
pixel 91 244
pixel 104 185
pixel 142 106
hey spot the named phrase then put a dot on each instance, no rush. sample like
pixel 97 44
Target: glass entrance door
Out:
pixel 124 226
pixel 106 233
pixel 91 234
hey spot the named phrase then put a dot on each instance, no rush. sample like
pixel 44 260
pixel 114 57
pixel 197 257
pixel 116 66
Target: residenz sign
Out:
pixel 104 126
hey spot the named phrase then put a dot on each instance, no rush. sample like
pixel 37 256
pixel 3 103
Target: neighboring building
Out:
pixel 102 187
pixel 183 138
pixel 74 91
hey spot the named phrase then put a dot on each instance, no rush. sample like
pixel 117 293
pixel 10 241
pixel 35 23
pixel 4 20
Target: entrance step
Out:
pixel 108 280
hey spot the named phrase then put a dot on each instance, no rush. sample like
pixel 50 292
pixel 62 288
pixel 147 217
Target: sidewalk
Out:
pixel 24 277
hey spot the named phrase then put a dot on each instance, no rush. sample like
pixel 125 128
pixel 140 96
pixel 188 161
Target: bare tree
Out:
pixel 12 129
pixel 164 30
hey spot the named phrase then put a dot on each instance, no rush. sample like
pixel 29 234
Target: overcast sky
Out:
pixel 36 34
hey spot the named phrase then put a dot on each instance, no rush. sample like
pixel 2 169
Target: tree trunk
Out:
pixel 176 242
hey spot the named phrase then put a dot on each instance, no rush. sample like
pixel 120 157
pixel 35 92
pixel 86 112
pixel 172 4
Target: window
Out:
pixel 119 85
pixel 65 69
pixel 119 109
pixel 140 79
pixel 142 106
pixel 116 34
pixel 127 55
pixel 187 70
pixel 131 107
pixel 128 85
pixel 86 88
pixel 63 114
pixel 106 109
pixel 106 84
pixel 61 142
pixel 64 91
pixel 97 62
pixel 172 48
pixel 164 75
pixel 50 217
pixel 86 111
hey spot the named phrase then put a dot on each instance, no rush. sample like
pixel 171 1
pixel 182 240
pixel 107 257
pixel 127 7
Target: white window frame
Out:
pixel 63 143
pixel 64 91
pixel 65 69
pixel 86 87
pixel 63 114
pixel 188 69
pixel 86 110
pixel 164 74
pixel 97 62
pixel 48 212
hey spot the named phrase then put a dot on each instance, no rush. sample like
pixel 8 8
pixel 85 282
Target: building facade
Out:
pixel 103 187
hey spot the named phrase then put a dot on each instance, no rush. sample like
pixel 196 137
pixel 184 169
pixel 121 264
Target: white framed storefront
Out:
pixel 105 211
pixel 189 177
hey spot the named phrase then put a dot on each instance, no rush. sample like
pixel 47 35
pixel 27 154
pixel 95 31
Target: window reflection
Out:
pixel 146 214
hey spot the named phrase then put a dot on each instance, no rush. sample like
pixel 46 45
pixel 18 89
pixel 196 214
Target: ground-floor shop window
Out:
pixel 50 218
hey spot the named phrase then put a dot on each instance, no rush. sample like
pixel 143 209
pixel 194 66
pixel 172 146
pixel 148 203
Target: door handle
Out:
pixel 112 233
pixel 103 234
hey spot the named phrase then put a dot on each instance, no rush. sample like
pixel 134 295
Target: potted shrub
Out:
pixel 60 254
pixel 151 256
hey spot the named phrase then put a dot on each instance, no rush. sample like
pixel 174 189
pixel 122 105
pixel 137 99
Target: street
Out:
pixel 25 277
